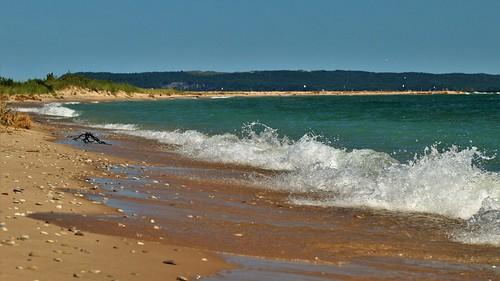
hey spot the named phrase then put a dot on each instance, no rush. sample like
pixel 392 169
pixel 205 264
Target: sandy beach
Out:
pixel 86 95
pixel 40 176
pixel 249 140
pixel 131 210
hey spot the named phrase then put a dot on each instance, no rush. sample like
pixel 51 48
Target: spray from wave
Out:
pixel 52 109
pixel 445 182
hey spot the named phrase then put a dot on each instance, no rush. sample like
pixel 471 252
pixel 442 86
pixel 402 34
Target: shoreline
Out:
pixel 338 251
pixel 85 95
pixel 38 175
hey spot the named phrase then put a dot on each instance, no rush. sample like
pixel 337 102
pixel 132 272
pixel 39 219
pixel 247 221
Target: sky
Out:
pixel 439 36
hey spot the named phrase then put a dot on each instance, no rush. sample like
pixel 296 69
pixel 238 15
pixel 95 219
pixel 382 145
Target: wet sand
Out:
pixel 39 176
pixel 166 198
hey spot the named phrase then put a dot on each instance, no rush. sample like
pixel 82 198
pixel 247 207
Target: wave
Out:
pixel 117 126
pixel 445 182
pixel 482 93
pixel 52 109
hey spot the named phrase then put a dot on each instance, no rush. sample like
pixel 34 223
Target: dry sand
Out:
pixel 83 95
pixel 33 171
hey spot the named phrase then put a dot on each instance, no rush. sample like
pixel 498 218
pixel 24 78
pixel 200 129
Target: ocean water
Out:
pixel 434 154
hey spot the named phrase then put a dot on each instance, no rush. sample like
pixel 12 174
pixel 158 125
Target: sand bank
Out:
pixel 86 95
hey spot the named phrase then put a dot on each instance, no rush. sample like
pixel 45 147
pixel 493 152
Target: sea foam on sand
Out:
pixel 445 182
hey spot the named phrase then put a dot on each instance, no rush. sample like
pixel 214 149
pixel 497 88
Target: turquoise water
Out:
pixel 433 154
pixel 400 125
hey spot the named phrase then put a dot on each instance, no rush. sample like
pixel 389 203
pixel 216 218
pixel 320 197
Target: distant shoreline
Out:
pixel 298 80
pixel 85 95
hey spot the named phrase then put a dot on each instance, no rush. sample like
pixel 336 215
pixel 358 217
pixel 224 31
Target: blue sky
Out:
pixel 438 36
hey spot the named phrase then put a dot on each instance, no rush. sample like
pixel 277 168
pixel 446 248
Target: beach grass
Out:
pixel 51 84
pixel 14 119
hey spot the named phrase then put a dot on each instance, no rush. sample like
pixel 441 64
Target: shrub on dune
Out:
pixel 14 119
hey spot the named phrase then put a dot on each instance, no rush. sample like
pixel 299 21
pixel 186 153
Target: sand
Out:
pixel 86 95
pixel 33 174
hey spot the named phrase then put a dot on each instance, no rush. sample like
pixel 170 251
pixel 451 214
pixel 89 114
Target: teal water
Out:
pixel 400 125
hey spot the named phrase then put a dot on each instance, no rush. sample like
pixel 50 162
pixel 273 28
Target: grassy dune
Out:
pixel 52 84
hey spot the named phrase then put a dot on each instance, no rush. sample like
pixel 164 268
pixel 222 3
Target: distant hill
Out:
pixel 303 80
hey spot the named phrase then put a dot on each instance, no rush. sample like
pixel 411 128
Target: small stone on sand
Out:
pixel 170 262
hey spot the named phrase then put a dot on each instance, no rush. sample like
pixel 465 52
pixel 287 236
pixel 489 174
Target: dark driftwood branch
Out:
pixel 88 137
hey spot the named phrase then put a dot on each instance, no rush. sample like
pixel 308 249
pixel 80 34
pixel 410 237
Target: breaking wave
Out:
pixel 446 182
pixel 52 109
pixel 117 126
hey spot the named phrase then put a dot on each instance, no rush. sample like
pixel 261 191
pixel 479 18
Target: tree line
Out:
pixel 286 80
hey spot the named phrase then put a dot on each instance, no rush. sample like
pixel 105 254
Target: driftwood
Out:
pixel 88 137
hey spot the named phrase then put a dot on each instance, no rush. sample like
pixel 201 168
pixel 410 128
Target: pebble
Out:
pixel 8 242
pixel 57 259
pixel 170 262
pixel 182 278
pixel 23 237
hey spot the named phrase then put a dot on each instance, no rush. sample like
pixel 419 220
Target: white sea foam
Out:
pixel 51 109
pixel 441 182
pixel 221 97
pixel 117 126
pixel 482 228
pixel 483 93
